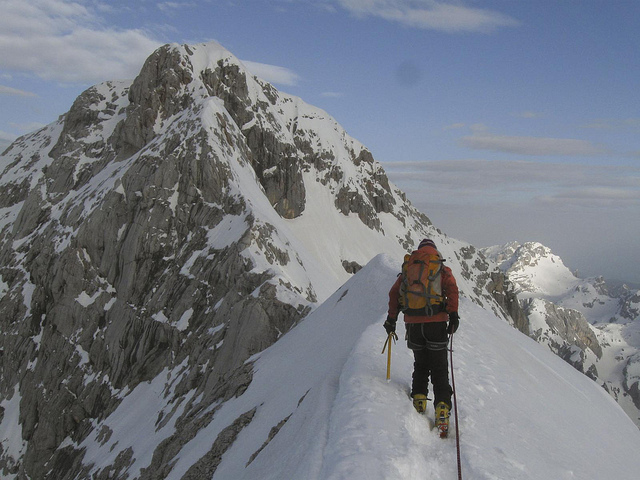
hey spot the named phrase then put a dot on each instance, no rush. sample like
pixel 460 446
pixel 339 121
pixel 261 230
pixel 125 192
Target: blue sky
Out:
pixel 501 119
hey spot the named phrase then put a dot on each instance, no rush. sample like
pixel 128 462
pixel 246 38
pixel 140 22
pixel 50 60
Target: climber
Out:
pixel 427 294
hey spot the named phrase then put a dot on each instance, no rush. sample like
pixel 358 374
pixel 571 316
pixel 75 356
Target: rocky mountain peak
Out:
pixel 167 229
pixel 533 267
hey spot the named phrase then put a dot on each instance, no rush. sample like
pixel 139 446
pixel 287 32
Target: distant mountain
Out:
pixel 159 236
pixel 534 268
pixel 594 327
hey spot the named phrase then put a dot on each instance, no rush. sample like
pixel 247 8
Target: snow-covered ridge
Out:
pixel 320 407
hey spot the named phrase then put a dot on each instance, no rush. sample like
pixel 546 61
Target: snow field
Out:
pixel 524 413
pixel 11 442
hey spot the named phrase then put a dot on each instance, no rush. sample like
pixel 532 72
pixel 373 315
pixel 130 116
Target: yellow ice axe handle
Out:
pixel 394 337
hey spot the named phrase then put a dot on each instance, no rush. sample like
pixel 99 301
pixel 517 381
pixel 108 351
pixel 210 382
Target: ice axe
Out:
pixel 394 337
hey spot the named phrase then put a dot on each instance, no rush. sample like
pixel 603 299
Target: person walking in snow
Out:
pixel 426 293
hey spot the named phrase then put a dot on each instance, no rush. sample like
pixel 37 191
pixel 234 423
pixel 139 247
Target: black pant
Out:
pixel 428 342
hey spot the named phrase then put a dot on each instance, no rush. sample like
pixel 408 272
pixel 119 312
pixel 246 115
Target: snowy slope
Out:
pixel 583 320
pixel 524 413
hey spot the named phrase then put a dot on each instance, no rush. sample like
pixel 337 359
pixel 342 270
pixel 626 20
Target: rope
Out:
pixel 392 336
pixel 455 410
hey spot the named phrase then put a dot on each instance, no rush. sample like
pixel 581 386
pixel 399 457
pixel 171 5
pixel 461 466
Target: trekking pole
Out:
pixel 392 335
pixel 455 409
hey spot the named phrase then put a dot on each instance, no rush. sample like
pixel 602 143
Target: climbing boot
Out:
pixel 420 402
pixel 442 419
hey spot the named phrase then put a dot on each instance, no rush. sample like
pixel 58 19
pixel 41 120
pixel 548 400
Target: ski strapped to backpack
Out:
pixel 421 285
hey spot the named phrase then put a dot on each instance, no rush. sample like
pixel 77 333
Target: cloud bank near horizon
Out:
pixel 489 202
pixel 488 181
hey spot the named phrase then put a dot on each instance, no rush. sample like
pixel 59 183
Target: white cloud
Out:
pixel 486 182
pixel 272 73
pixel 624 124
pixel 531 145
pixel 67 41
pixel 600 196
pixel 446 16
pixel 15 92
pixel 172 6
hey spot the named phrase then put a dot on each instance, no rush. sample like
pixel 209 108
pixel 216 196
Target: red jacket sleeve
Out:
pixel 394 295
pixel 450 290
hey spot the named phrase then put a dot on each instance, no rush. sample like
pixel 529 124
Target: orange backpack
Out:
pixel 421 285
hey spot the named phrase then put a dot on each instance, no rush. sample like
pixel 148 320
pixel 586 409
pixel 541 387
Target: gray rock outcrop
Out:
pixel 148 243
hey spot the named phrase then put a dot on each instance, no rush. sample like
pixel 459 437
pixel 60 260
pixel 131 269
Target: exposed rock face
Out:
pixel 488 280
pixel 502 290
pixel 564 329
pixel 158 236
pixel 114 278
pixel 632 379
pixel 629 304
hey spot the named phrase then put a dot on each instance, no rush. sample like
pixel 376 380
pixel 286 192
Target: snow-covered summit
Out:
pixel 538 273
pixel 534 268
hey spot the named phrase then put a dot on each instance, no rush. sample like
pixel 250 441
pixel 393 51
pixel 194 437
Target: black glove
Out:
pixel 454 323
pixel 390 325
